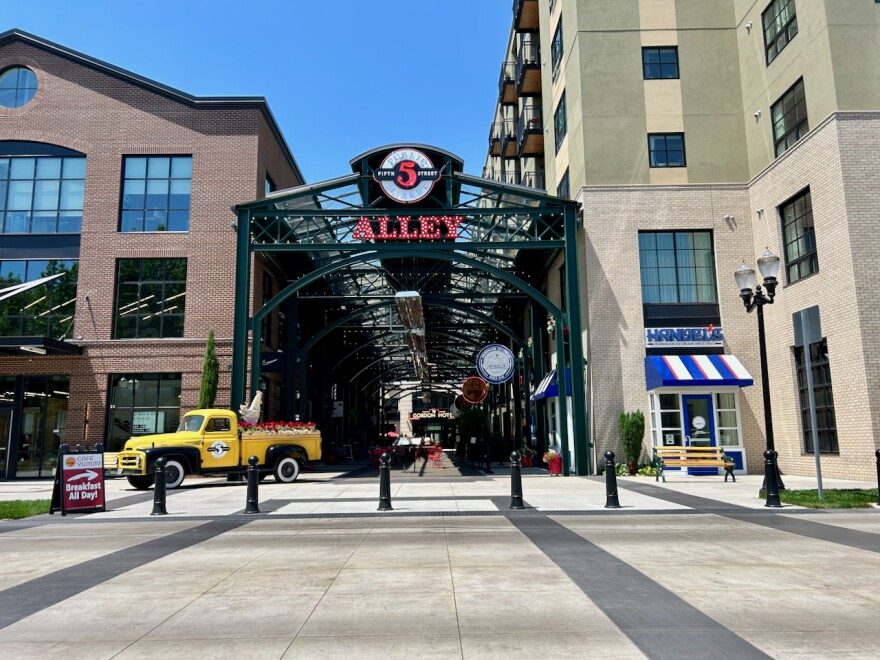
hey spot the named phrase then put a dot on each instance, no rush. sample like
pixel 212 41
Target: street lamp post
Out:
pixel 754 298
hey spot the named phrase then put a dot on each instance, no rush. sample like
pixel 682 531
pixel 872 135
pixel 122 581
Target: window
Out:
pixel 727 427
pixel 150 298
pixel 789 118
pixel 218 425
pixel 156 193
pixel 44 311
pixel 141 404
pixel 41 195
pixel 825 421
pixel 17 86
pixel 666 420
pixel 677 267
pixel 780 27
pixel 660 63
pixel 559 123
pixel 562 190
pixel 556 49
pixel 269 185
pixel 666 149
pixel 800 237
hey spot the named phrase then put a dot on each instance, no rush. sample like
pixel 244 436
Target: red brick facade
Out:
pixel 107 114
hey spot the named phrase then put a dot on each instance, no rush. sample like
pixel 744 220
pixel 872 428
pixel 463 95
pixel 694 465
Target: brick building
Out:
pixel 116 247
pixel 695 135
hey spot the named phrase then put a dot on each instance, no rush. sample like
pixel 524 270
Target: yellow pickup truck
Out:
pixel 209 441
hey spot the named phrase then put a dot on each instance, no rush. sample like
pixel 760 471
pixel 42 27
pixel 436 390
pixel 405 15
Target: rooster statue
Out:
pixel 251 414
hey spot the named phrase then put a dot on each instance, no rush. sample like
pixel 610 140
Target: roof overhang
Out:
pixel 38 346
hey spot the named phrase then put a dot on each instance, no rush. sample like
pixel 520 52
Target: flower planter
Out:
pixel 525 461
pixel 555 466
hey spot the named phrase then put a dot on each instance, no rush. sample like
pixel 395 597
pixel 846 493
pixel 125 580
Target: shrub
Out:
pixel 631 427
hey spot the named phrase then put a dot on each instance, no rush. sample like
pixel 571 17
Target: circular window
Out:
pixel 17 86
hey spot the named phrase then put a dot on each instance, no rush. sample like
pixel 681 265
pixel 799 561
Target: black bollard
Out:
pixel 611 500
pixel 770 482
pixel 877 454
pixel 516 501
pixel 253 480
pixel 385 482
pixel 159 489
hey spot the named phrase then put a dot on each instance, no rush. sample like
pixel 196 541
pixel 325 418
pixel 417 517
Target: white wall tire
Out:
pixel 286 470
pixel 174 474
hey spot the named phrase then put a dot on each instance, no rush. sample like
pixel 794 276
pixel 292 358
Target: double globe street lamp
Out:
pixel 755 298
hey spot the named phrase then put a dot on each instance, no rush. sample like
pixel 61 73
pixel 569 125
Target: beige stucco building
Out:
pixel 695 135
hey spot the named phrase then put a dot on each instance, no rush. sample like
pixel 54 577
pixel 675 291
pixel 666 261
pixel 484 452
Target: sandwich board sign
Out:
pixel 79 482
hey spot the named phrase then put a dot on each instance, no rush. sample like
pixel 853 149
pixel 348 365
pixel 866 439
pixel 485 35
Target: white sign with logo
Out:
pixel 495 363
pixel 710 336
pixel 406 175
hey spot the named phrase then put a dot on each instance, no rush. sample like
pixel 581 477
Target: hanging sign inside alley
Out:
pixel 406 175
pixel 474 389
pixel 495 363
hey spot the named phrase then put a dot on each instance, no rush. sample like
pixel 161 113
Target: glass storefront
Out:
pixel 141 404
pixel 33 424
pixel 702 419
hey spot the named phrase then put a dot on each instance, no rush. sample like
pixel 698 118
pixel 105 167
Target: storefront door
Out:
pixel 699 425
pixel 5 437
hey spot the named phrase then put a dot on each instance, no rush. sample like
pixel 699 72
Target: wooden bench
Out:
pixel 692 457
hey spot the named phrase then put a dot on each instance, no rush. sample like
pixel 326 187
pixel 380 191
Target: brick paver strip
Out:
pixel 766 517
pixel 21 601
pixel 672 628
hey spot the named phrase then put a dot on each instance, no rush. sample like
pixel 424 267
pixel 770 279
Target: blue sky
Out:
pixel 341 76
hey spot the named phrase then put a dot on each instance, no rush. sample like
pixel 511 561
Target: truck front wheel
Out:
pixel 174 474
pixel 286 470
pixel 141 481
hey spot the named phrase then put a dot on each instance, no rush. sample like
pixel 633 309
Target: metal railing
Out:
pixel 529 55
pixel 531 120
pixel 508 71
pixel 533 180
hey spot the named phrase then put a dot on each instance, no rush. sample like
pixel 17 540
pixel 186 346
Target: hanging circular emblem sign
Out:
pixel 495 363
pixel 474 389
pixel 406 175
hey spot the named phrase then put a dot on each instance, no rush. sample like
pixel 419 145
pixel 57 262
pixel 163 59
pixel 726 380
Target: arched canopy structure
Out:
pixel 471 253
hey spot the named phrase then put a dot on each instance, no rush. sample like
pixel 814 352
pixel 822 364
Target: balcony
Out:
pixel 511 176
pixel 528 69
pixel 530 132
pixel 506 85
pixel 533 180
pixel 508 139
pixel 525 15
pixel 495 139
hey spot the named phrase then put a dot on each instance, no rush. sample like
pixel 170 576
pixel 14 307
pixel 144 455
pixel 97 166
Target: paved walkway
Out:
pixel 694 568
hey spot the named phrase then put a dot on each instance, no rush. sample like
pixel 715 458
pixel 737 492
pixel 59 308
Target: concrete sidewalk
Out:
pixel 694 568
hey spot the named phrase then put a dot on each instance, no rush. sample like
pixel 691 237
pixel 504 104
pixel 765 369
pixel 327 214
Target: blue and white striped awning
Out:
pixel 695 371
pixel 548 387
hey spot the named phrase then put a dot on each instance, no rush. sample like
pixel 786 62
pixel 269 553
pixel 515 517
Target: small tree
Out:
pixel 631 427
pixel 210 374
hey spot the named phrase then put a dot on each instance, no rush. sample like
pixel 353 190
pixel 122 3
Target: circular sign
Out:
pixel 698 423
pixel 406 175
pixel 474 389
pixel 495 363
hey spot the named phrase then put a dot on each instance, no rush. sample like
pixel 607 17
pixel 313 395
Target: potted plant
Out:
pixel 553 459
pixel 526 456
pixel 631 427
